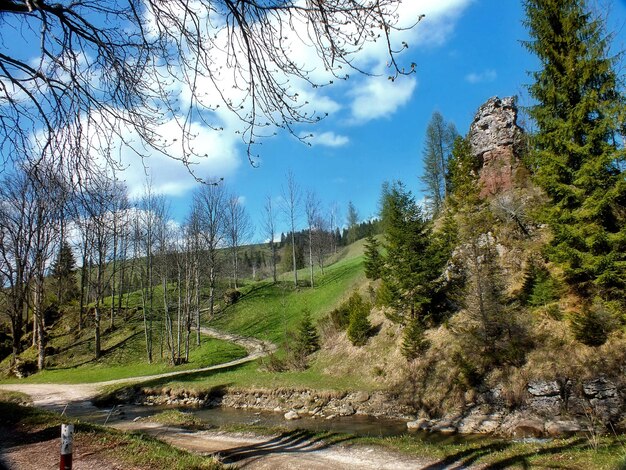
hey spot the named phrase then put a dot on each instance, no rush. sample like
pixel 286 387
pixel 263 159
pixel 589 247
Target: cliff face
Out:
pixel 496 140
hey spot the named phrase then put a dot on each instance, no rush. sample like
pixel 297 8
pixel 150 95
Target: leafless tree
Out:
pixel 238 231
pixel 311 208
pixel 28 224
pixel 120 227
pixel 151 213
pixel 322 240
pixel 269 225
pixel 332 220
pixel 100 201
pixel 96 72
pixel 291 206
pixel 209 205
pixel 192 246
pixel 30 211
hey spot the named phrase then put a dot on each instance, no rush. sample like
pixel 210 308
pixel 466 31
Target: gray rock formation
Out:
pixel 495 139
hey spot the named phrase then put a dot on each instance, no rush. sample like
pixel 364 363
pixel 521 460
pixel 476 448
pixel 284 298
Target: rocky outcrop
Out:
pixel 495 139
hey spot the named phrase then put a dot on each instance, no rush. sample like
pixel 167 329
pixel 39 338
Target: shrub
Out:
pixel 231 296
pixel 359 327
pixel 593 325
pixel 340 317
pixel 413 342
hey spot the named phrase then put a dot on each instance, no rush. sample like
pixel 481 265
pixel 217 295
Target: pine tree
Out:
pixel 577 159
pixel 359 327
pixel 410 264
pixel 413 341
pixel 373 261
pixel 440 137
pixel 64 274
pixel 307 338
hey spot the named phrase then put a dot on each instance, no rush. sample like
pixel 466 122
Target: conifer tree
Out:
pixel 307 338
pixel 64 274
pixel 440 137
pixel 359 327
pixel 577 159
pixel 413 341
pixel 373 260
pixel 412 262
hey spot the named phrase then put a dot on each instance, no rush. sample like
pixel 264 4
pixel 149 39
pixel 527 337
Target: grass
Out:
pixel 27 425
pixel 176 418
pixel 123 354
pixel 571 453
pixel 268 310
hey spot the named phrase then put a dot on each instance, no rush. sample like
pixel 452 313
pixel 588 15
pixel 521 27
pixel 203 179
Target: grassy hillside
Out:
pixel 71 353
pixel 268 310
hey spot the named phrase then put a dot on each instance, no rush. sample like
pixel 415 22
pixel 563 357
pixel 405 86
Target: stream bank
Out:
pixel 548 408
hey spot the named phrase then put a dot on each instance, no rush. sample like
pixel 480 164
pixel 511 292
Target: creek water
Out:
pixel 357 425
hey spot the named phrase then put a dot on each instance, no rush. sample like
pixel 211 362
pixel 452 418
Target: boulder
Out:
pixel 291 415
pixel 361 397
pixel 527 428
pixel 421 424
pixel 479 424
pixel 600 388
pixel 542 388
pixel 346 410
pixel 562 428
pixel 444 427
pixel 546 405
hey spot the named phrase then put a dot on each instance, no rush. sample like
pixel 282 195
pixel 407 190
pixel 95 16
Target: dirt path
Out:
pixel 77 397
pixel 291 451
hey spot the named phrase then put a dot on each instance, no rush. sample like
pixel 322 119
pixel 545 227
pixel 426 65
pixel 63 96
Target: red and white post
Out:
pixel 67 438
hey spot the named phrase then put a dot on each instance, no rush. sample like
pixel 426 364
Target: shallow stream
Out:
pixel 358 425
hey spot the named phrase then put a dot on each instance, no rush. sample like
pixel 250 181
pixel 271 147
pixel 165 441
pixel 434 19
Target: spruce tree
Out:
pixel 307 338
pixel 577 158
pixel 359 327
pixel 412 262
pixel 413 341
pixel 64 274
pixel 373 261
pixel 440 137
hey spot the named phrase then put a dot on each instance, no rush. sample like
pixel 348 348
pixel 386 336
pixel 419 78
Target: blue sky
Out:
pixel 469 54
pixel 466 51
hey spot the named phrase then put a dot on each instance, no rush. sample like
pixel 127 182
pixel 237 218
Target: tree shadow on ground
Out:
pixel 468 457
pixel 105 352
pixel 292 442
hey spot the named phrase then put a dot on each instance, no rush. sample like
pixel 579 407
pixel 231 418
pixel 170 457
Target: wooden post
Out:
pixel 67 437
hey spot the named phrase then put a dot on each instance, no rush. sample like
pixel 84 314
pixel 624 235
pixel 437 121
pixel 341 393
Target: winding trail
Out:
pixel 77 397
pixel 293 451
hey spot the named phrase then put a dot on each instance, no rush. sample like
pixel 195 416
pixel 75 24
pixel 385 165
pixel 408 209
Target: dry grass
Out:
pixel 379 361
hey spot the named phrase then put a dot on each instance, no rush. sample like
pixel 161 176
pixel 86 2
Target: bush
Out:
pixel 23 368
pixel 231 296
pixel 593 325
pixel 340 317
pixel 413 342
pixel 359 327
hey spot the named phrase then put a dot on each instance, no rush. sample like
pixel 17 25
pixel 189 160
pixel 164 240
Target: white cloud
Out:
pixel 485 76
pixel 327 139
pixel 169 176
pixel 379 97
pixel 376 97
